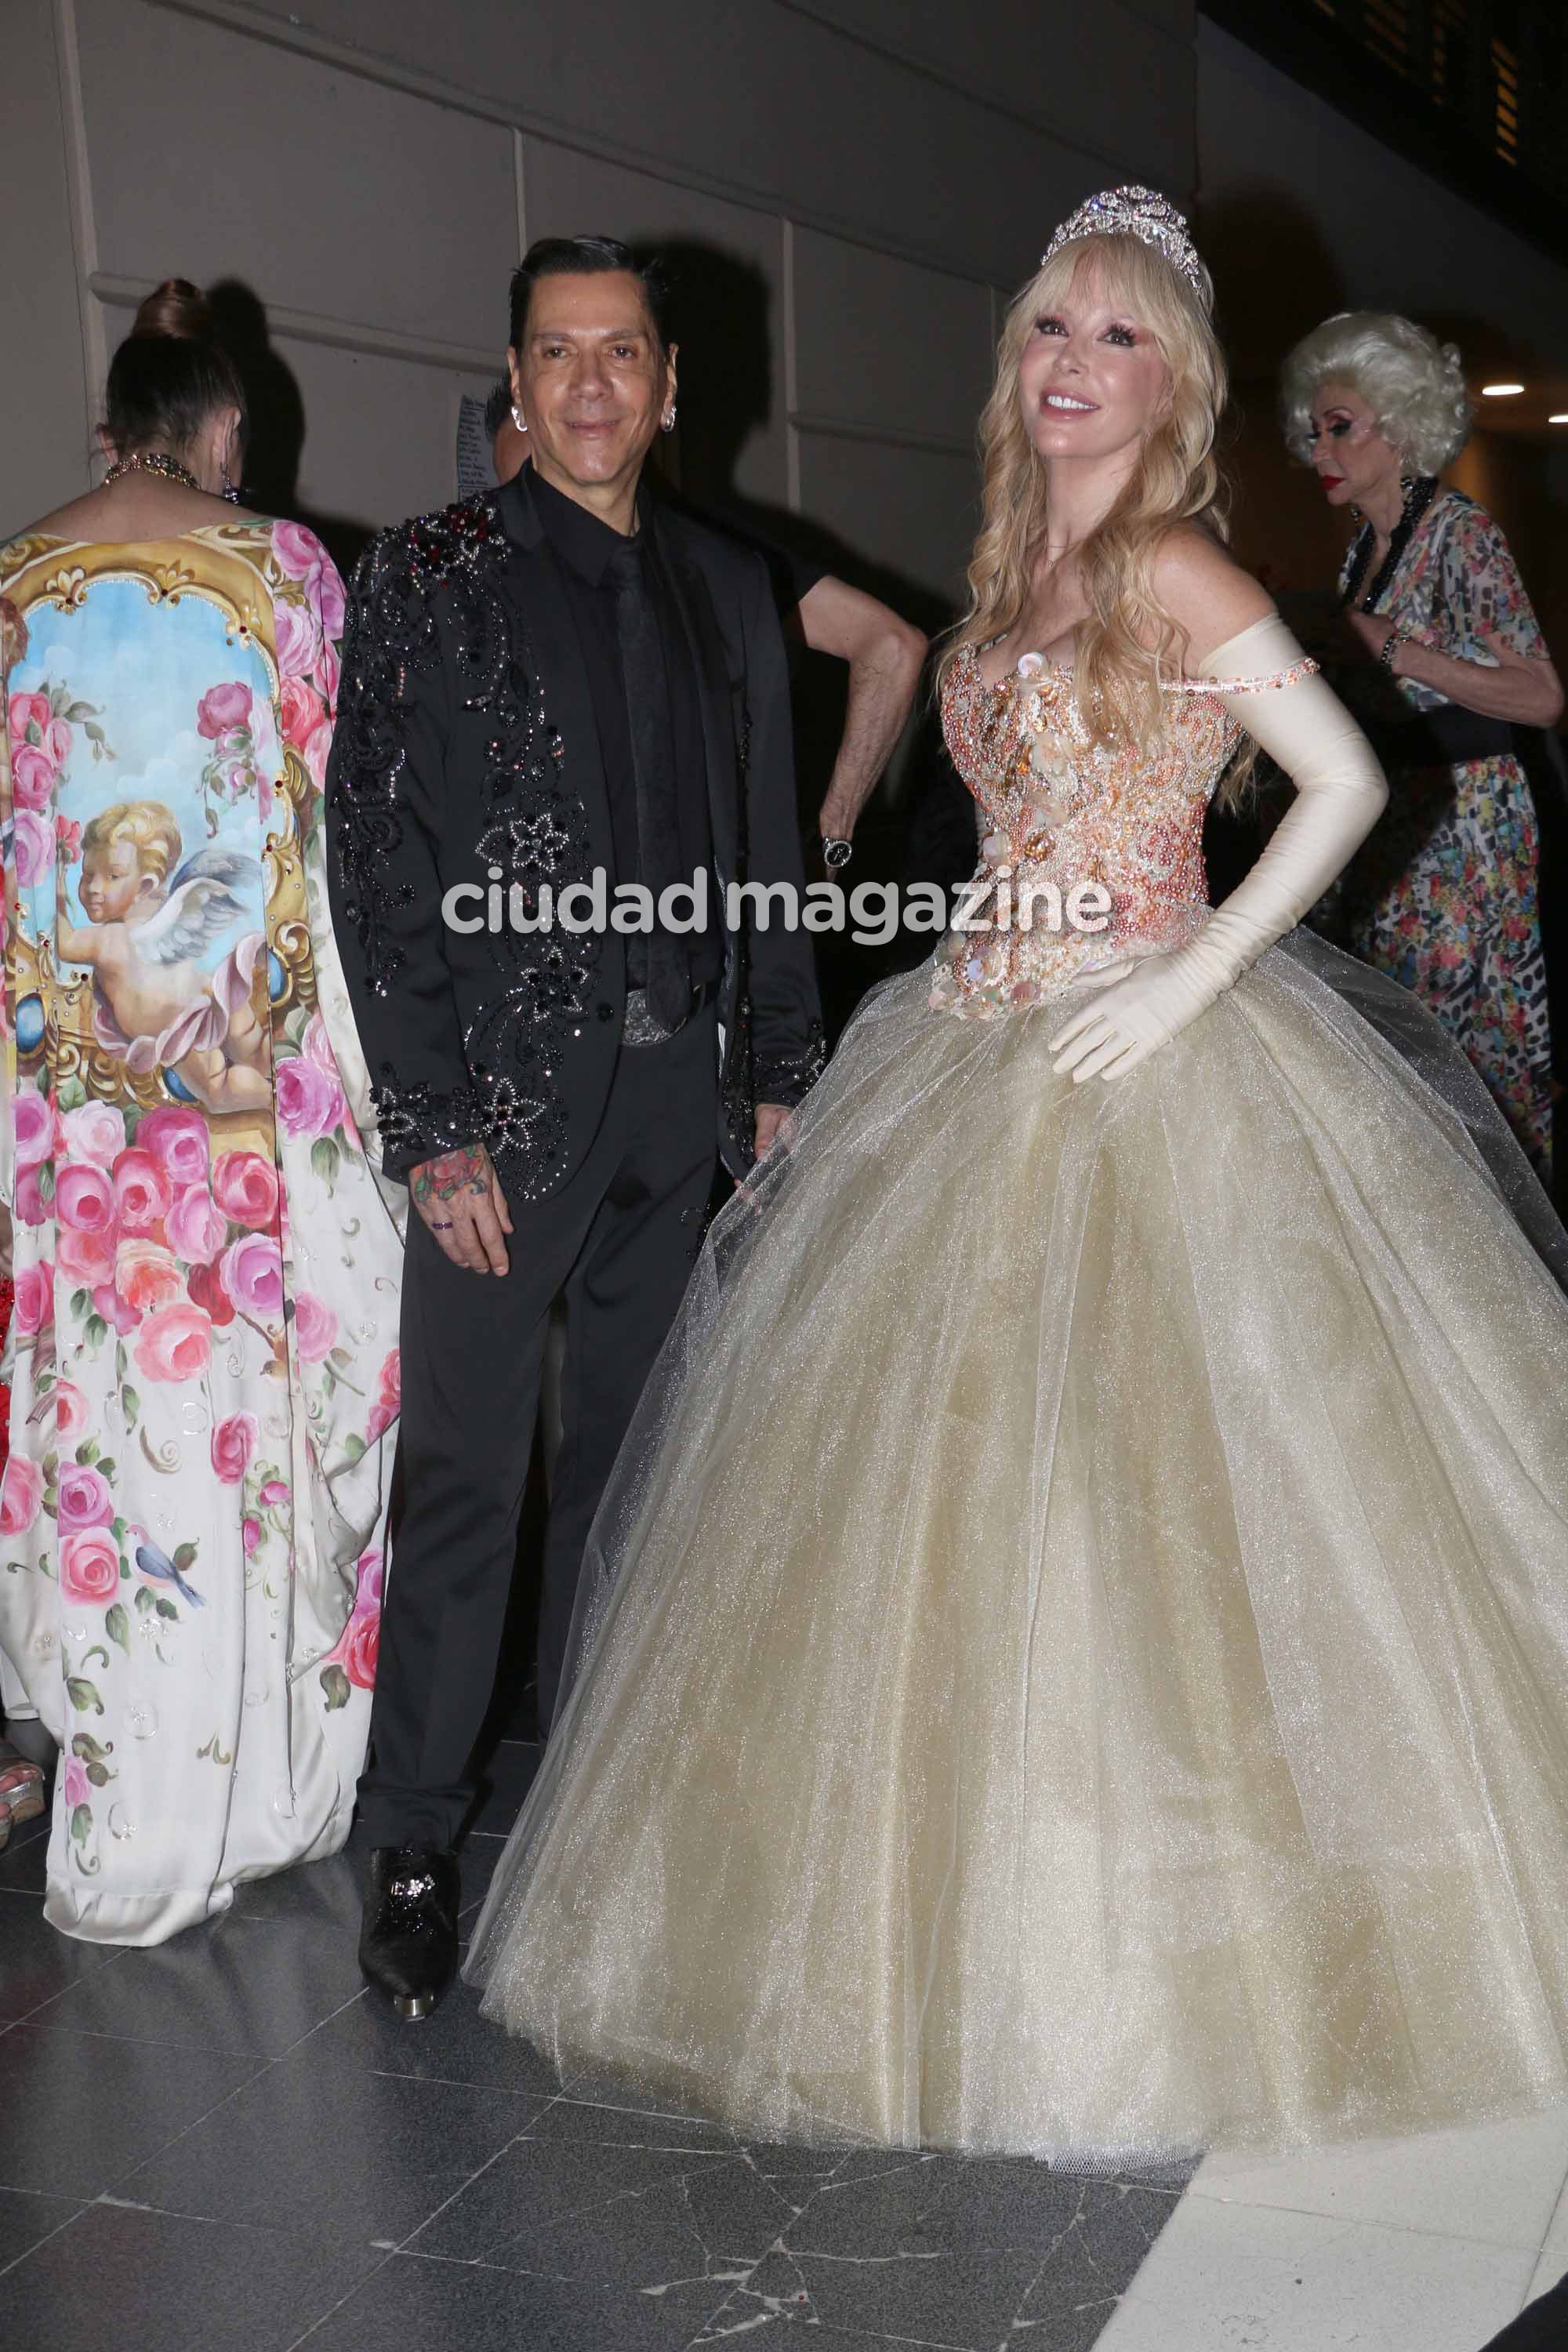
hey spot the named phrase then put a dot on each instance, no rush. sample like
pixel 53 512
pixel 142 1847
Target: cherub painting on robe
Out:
pixel 151 917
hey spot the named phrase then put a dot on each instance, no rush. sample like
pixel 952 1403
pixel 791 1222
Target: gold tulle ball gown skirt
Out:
pixel 1075 1655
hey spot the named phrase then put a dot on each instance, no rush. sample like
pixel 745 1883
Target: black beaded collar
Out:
pixel 1419 492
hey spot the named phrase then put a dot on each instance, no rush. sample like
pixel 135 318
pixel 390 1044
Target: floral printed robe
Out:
pixel 206 1370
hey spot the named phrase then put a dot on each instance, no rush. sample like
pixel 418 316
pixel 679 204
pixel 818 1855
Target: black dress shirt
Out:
pixel 582 547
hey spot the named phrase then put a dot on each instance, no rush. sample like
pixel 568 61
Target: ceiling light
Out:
pixel 1560 417
pixel 1500 390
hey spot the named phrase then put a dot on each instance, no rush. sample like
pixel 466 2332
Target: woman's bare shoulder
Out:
pixel 1206 593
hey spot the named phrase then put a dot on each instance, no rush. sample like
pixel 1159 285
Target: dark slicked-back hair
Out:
pixel 588 256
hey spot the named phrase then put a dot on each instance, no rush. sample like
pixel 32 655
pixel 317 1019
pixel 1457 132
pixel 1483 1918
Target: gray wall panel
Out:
pixel 45 405
pixel 885 342
pixel 215 156
pixel 915 512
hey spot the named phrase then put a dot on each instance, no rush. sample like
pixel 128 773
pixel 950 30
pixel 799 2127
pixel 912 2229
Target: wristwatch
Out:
pixel 836 852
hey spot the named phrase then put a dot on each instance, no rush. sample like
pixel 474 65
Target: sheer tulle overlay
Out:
pixel 1074 1658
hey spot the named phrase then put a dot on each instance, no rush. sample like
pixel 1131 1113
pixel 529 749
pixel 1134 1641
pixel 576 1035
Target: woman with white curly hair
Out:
pixel 1451 658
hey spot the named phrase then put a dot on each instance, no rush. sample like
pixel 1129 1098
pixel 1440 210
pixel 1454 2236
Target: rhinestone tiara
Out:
pixel 1142 213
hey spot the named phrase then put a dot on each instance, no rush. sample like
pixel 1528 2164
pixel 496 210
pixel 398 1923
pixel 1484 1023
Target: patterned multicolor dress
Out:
pixel 1444 896
pixel 206 1270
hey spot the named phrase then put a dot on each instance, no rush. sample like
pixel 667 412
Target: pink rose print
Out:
pixel 71 1413
pixel 141 1190
pixel 35 1302
pixel 221 710
pixel 28 710
pixel 147 1277
pixel 20 1495
pixel 299 644
pixel 108 1304
pixel 205 1286
pixel 67 840
pixel 85 1257
pixel 317 1046
pixel 370 1575
pixel 245 1187
pixel 315 1328
pixel 96 1131
pixel 35 840
pixel 309 1103
pixel 251 1530
pixel 175 1344
pixel 361 1647
pixel 252 1272
pixel 235 1441
pixel 275 1491
pixel 27 1200
pixel 306 726
pixel 178 1142
pixel 357 1646
pixel 33 1125
pixel 32 780
pixel 58 741
pixel 85 1500
pixel 84 1198
pixel 79 1787
pixel 89 1567
pixel 299 554
pixel 195 1225
pixel 302 557
pixel 389 1398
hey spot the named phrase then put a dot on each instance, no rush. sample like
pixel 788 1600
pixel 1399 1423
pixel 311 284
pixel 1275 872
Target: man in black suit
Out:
pixel 553 680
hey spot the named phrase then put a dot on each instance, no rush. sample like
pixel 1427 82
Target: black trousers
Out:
pixel 618 1239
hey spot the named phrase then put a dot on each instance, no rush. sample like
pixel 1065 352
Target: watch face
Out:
pixel 835 852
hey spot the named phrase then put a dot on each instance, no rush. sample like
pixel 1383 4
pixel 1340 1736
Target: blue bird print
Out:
pixel 158 1568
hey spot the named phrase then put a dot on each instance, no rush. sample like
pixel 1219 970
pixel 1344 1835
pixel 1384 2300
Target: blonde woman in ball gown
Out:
pixel 1074 1657
pixel 207 1274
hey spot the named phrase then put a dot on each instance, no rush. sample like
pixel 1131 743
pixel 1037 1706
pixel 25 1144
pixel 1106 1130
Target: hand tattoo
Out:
pixel 467 1170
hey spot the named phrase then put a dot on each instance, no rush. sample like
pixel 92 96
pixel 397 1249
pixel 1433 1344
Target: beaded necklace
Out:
pixel 150 461
pixel 1420 489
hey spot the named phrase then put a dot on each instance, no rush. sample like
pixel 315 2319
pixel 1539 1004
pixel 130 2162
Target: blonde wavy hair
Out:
pixel 148 825
pixel 1129 640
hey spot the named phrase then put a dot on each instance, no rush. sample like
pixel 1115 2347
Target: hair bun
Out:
pixel 177 309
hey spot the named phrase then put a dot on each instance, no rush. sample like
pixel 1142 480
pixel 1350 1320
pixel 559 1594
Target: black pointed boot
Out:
pixel 408 1939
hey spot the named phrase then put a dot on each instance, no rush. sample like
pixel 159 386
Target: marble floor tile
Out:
pixel 79 2112
pixel 26 2217
pixel 36 1961
pixel 1499 2183
pixel 1225 2278
pixel 536 2185
pixel 316 2144
pixel 708 2223
pixel 236 1983
pixel 1551 2270
pixel 441 2307
pixel 456 2045
pixel 119 2277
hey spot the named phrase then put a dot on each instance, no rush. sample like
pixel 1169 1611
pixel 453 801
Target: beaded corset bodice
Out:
pixel 1062 814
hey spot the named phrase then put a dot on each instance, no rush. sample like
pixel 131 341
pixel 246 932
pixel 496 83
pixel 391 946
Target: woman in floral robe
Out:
pixel 206 1268
pixel 1448 659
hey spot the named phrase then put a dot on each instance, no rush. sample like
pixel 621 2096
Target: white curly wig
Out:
pixel 1413 384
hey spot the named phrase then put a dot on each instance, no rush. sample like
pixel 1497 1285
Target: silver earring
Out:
pixel 517 419
pixel 230 489
pixel 668 420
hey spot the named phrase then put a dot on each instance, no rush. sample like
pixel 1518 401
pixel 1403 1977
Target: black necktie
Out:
pixel 653 762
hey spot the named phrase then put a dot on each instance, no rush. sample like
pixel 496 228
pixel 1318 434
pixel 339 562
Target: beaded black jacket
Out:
pixel 466 742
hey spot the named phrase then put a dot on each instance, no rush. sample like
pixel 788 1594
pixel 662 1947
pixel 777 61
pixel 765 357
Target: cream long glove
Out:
pixel 1339 796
